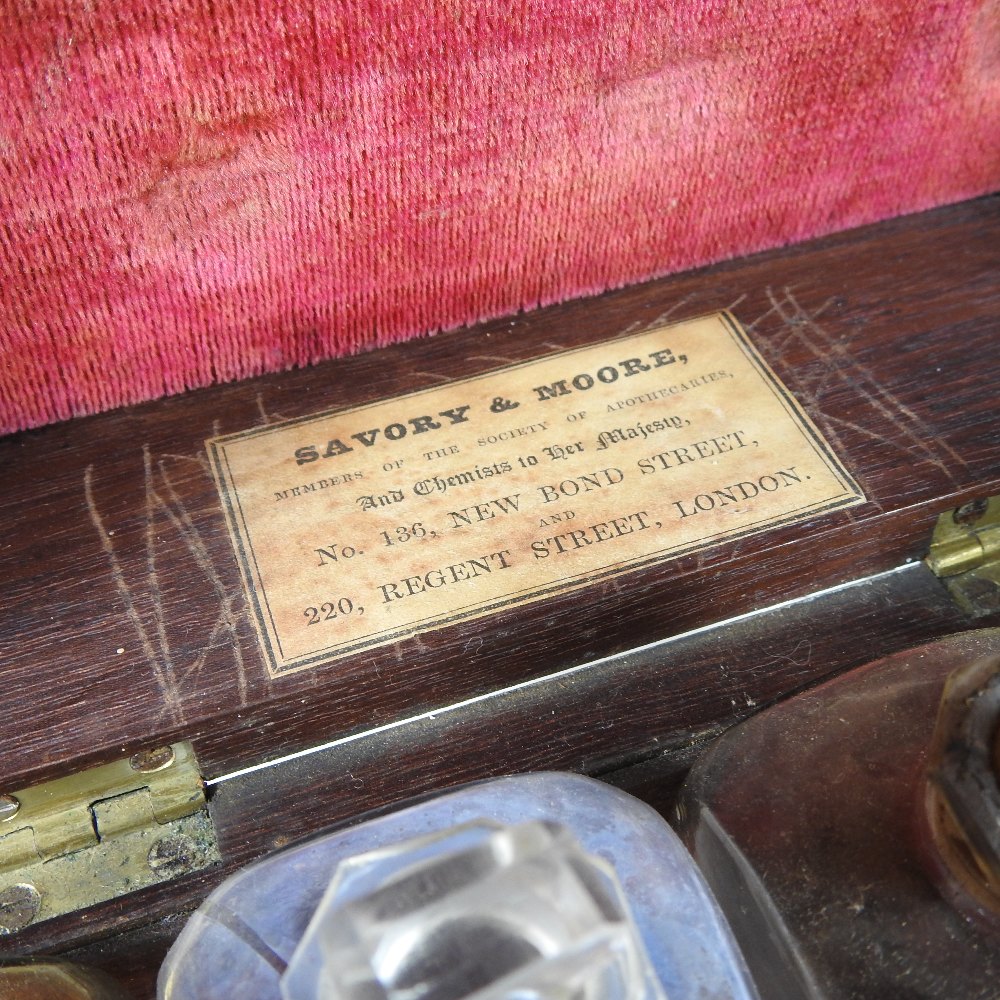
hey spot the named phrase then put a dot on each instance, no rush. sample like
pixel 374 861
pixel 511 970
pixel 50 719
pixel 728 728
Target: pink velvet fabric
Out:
pixel 198 190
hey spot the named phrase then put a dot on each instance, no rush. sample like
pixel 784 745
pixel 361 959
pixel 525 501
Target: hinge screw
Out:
pixel 172 855
pixel 18 907
pixel 146 761
pixel 969 513
pixel 9 807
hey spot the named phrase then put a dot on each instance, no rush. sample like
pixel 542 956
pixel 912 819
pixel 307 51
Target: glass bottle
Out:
pixel 851 833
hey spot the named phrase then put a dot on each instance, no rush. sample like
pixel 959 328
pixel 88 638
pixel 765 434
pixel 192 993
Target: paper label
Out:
pixel 360 527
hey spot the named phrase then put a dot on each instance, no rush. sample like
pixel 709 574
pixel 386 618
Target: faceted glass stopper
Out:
pixel 485 911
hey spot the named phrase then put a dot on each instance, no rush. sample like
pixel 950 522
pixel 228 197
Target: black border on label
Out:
pixel 252 578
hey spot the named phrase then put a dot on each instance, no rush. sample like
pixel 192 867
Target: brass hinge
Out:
pixel 965 553
pixel 93 836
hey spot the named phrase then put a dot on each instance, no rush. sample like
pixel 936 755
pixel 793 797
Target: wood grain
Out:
pixel 637 720
pixel 114 540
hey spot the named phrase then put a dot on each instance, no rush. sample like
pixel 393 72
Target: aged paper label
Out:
pixel 357 528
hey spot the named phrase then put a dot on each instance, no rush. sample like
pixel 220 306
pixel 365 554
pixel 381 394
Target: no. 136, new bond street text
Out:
pixel 436 508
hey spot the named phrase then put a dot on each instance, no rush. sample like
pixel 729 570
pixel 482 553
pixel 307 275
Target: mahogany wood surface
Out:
pixel 624 719
pixel 114 539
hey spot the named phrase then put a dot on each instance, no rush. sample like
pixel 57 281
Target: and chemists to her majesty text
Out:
pixel 357 528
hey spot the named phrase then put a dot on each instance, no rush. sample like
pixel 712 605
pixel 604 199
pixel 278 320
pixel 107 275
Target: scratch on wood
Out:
pixel 264 418
pixel 433 376
pixel 816 313
pixel 917 438
pixel 152 577
pixel 200 460
pixel 763 316
pixel 790 323
pixel 163 501
pixel 795 657
pixel 193 669
pixel 229 614
pixel 166 683
pixel 810 397
pixel 889 398
pixel 492 358
pixel 664 316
